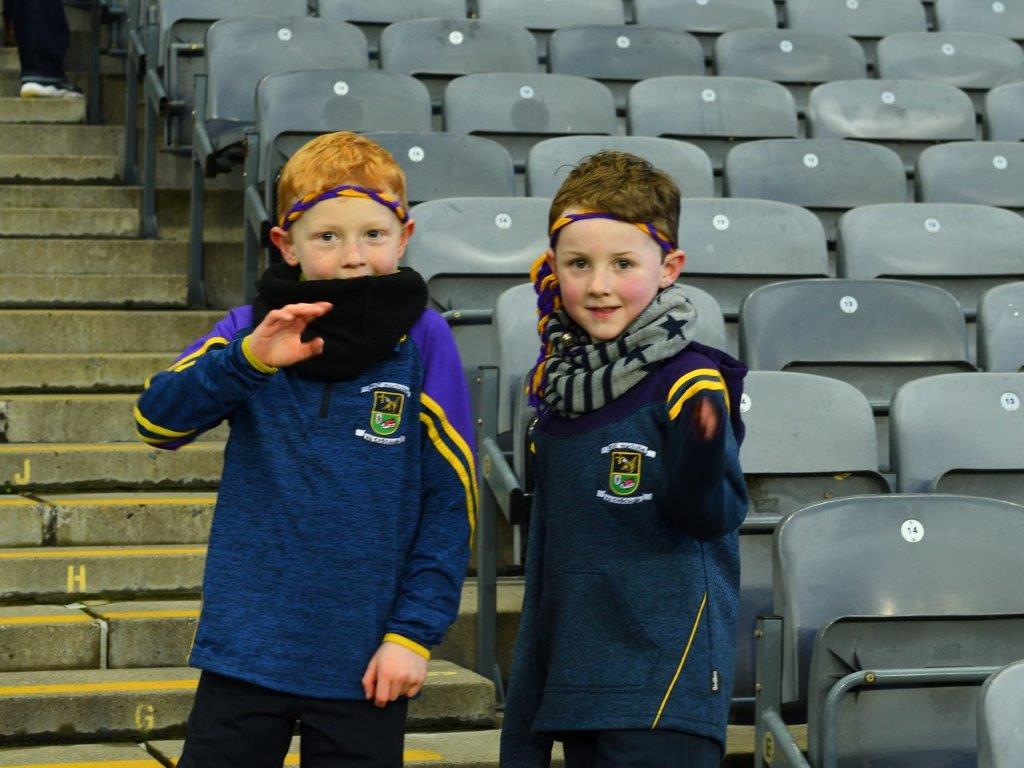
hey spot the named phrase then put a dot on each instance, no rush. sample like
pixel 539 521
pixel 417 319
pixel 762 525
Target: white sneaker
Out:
pixel 61 90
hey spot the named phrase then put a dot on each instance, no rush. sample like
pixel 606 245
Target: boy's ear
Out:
pixel 549 256
pixel 671 267
pixel 283 242
pixel 407 229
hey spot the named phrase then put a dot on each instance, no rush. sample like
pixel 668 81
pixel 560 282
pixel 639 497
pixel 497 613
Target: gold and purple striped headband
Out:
pixel 646 227
pixel 344 190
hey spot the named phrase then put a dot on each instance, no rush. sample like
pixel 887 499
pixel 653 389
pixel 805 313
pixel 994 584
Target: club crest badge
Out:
pixel 624 477
pixel 386 415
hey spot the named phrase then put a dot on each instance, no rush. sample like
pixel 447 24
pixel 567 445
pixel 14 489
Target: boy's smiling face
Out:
pixel 608 272
pixel 344 237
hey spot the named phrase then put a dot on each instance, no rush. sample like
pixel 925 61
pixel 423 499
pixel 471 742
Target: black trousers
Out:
pixel 41 29
pixel 235 724
pixel 638 749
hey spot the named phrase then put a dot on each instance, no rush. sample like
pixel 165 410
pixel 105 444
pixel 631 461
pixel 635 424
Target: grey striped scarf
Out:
pixel 582 375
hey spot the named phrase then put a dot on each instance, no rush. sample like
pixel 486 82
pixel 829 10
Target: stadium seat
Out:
pixel 551 160
pixel 797 58
pixel 712 112
pixel 1004 113
pixel 980 172
pixel 827 176
pixel 999 17
pixel 890 612
pixel 437 50
pixel 960 433
pixel 708 19
pixel 734 245
pixel 866 20
pixel 373 16
pixel 971 61
pixel 1000 736
pixel 542 17
pixel 904 115
pixel 520 109
pixel 874 334
pixel 620 56
pixel 1001 328
pixel 927 242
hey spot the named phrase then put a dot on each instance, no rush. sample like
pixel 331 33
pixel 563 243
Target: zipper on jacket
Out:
pixel 682 661
pixel 325 399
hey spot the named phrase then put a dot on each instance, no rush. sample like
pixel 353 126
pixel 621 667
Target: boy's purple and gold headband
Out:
pixel 646 227
pixel 344 190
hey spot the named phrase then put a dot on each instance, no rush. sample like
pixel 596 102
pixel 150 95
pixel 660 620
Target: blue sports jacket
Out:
pixel 345 509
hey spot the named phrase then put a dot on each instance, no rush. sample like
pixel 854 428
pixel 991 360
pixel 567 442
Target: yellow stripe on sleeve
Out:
pixel 405 642
pixel 695 373
pixel 455 437
pixel 254 361
pixel 700 386
pixel 178 366
pixel 157 430
pixel 460 469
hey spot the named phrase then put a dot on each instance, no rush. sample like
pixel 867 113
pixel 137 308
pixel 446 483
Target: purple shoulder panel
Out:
pixel 443 378
pixel 226 328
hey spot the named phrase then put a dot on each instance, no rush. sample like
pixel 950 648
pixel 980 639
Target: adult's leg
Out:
pixel 41 30
pixel 352 734
pixel 580 749
pixel 655 749
pixel 235 724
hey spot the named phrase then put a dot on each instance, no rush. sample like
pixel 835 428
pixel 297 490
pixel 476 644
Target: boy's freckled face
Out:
pixel 608 272
pixel 345 237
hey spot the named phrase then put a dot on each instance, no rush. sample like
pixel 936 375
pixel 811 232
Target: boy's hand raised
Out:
pixel 705 419
pixel 392 672
pixel 277 341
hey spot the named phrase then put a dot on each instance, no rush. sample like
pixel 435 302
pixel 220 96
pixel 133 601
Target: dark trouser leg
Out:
pixel 352 734
pixel 235 724
pixel 580 749
pixel 41 29
pixel 655 749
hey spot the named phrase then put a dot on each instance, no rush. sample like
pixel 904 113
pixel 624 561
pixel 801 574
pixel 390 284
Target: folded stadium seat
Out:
pixel 708 19
pixel 904 115
pixel 980 172
pixel 734 245
pixel 890 612
pixel 372 16
pixel 927 242
pixel 971 61
pixel 621 56
pixel 435 51
pixel 551 160
pixel 542 17
pixel 715 113
pixel 994 17
pixel 1001 328
pixel 519 110
pixel 1000 737
pixel 175 47
pixel 960 433
pixel 1004 113
pixel 797 58
pixel 828 176
pixel 867 21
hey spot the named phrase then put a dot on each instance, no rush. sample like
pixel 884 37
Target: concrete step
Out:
pixel 48 637
pixel 121 519
pixel 58 196
pixel 21 521
pixel 80 756
pixel 71 330
pixel 96 291
pixel 80 372
pixel 69 222
pixel 47 574
pixel 17 110
pixel 40 707
pixel 82 169
pixel 61 139
pixel 67 418
pixel 99 467
pixel 129 258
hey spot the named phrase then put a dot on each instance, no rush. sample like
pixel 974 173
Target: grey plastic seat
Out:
pixel 1004 113
pixel 1000 737
pixel 438 50
pixel 551 160
pixel 373 16
pixel 980 172
pixel 904 115
pixel 708 19
pixel 734 245
pixel 927 242
pixel 520 109
pixel 542 17
pixel 911 596
pixel 798 58
pixel 866 20
pixel 1003 17
pixel 960 433
pixel 969 60
pixel 874 334
pixel 1001 328
pixel 827 176
pixel 712 112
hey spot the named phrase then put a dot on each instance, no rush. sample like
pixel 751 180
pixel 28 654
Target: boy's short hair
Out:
pixel 622 184
pixel 338 158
